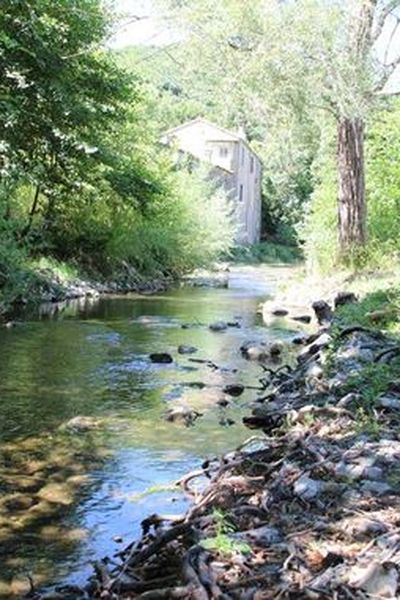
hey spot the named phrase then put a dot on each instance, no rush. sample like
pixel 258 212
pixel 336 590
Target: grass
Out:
pixel 378 310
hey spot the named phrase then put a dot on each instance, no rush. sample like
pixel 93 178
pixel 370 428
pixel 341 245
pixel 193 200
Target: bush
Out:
pixel 188 227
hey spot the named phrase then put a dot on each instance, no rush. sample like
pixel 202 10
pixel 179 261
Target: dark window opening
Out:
pixel 252 164
pixel 241 193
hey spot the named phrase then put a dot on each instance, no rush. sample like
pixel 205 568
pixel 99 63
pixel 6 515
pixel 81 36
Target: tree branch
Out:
pixel 389 70
pixel 391 38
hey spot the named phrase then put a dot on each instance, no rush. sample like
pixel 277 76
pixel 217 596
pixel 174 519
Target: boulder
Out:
pixel 343 298
pixel 161 358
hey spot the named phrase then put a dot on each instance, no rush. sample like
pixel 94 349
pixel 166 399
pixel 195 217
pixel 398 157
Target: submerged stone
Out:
pixel 182 349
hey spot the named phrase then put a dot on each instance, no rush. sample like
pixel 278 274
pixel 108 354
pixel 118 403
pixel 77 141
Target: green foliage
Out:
pixel 265 252
pixel 222 542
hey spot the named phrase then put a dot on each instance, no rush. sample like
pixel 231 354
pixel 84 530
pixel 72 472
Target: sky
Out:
pixel 149 30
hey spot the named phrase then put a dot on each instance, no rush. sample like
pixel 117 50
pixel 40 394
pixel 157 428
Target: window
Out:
pixel 223 151
pixel 241 193
pixel 252 164
pixel 243 155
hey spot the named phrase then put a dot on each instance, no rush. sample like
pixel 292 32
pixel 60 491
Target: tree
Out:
pixel 60 91
pixel 285 64
pixel 366 22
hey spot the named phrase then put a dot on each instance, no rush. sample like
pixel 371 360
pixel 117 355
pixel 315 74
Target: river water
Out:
pixel 67 497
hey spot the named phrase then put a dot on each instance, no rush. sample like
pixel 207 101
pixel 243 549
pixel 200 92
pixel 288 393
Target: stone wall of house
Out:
pixel 236 167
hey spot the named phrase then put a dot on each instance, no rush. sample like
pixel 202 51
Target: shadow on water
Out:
pixel 68 495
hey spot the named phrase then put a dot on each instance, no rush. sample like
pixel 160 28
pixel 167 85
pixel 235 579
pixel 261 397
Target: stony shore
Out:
pixel 307 508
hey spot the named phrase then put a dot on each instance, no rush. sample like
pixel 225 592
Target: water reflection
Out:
pixel 65 494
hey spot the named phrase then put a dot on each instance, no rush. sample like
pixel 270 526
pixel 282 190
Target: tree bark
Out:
pixel 352 209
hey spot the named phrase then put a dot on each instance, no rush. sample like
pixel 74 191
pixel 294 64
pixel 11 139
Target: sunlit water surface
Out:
pixel 66 498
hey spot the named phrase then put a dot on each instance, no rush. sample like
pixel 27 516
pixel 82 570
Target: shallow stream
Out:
pixel 70 497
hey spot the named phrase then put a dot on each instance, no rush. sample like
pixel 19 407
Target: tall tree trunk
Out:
pixel 352 208
pixel 32 212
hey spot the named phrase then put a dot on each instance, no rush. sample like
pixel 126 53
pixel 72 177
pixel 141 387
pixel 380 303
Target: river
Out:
pixel 68 498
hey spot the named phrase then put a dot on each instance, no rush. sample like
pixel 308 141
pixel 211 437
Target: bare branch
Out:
pixel 389 43
pixel 381 19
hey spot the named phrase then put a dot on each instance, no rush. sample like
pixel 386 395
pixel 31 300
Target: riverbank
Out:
pixel 308 508
pixel 49 281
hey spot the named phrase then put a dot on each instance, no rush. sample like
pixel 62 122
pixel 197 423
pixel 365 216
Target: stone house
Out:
pixel 234 164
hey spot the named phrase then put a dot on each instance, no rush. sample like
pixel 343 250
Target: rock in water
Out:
pixel 323 312
pixel 182 414
pixel 234 389
pixel 80 424
pixel 182 349
pixel 280 312
pixel 161 358
pixel 254 351
pixel 218 326
pixel 276 348
pixel 302 319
